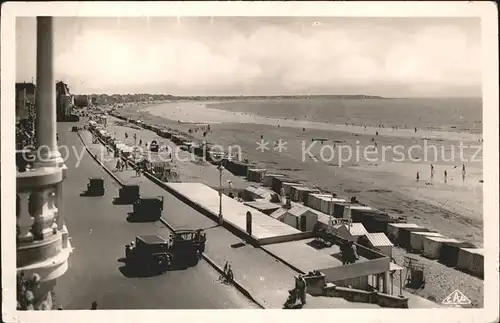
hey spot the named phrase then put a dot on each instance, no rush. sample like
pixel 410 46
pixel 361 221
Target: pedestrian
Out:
pixel 94 305
pixel 463 172
pixel 118 165
pixel 229 275
pixel 445 176
pixel 432 172
pixel 418 176
pixel 226 265
pixel 140 142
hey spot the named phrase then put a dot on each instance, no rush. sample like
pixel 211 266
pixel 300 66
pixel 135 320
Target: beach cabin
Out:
pixel 256 174
pixel 278 183
pixel 377 241
pixel 393 230
pixel 417 239
pixel 450 250
pixel 433 245
pixel 471 260
pixel 299 193
pixel 236 167
pixel 300 218
pixel 264 207
pixel 252 193
pixel 320 202
pixel 267 181
pixel 306 195
pixel 339 207
pixel 404 236
pixel 358 212
pixel 287 187
pixel 165 134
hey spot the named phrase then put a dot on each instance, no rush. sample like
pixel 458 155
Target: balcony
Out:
pixel 43 245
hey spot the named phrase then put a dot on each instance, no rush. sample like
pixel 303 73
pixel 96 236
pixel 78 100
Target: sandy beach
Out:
pixel 348 163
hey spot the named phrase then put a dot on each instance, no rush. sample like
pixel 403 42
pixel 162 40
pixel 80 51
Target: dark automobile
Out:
pixel 187 246
pixel 129 194
pixel 154 146
pixel 95 186
pixel 148 252
pixel 148 208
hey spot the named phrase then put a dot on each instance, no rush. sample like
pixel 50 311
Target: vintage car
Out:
pixel 95 186
pixel 187 246
pixel 154 147
pixel 148 208
pixel 148 252
pixel 128 194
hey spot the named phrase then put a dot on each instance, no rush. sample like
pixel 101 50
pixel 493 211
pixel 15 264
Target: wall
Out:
pixel 356 282
pixel 362 296
pixel 286 238
pixel 311 220
pixel 363 268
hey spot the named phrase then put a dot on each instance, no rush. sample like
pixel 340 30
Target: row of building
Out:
pixel 25 100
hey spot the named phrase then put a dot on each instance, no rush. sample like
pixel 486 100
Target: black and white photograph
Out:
pixel 249 155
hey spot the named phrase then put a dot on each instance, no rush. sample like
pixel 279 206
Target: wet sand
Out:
pixel 382 179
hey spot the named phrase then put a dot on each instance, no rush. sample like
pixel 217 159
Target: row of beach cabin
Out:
pixel 381 228
pixel 371 226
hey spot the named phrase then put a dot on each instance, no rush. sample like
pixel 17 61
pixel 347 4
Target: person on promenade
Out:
pixel 118 164
pixel 418 176
pixel 94 305
pixel 445 176
pixel 432 172
pixel 140 142
pixel 229 274
pixel 463 173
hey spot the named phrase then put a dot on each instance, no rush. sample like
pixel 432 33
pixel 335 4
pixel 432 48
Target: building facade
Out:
pixel 64 101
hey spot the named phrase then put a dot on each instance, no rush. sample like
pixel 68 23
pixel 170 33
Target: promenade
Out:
pixel 99 232
pixel 265 278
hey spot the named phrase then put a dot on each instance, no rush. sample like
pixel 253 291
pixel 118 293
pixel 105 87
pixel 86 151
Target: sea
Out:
pixel 441 114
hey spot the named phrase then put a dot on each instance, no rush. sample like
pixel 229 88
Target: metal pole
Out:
pixel 221 220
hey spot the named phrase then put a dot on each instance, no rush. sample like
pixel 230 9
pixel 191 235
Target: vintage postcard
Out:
pixel 321 157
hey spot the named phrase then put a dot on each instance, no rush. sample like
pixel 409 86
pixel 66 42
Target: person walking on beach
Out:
pixel 445 176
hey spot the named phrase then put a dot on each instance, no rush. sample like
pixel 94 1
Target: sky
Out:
pixel 392 57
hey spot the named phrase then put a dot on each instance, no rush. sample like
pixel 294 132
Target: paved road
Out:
pixel 99 231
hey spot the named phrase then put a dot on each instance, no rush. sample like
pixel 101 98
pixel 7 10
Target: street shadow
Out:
pixel 89 194
pixel 317 244
pixel 131 272
pixel 297 306
pixel 137 218
pixel 137 271
pixel 119 201
pixel 238 245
